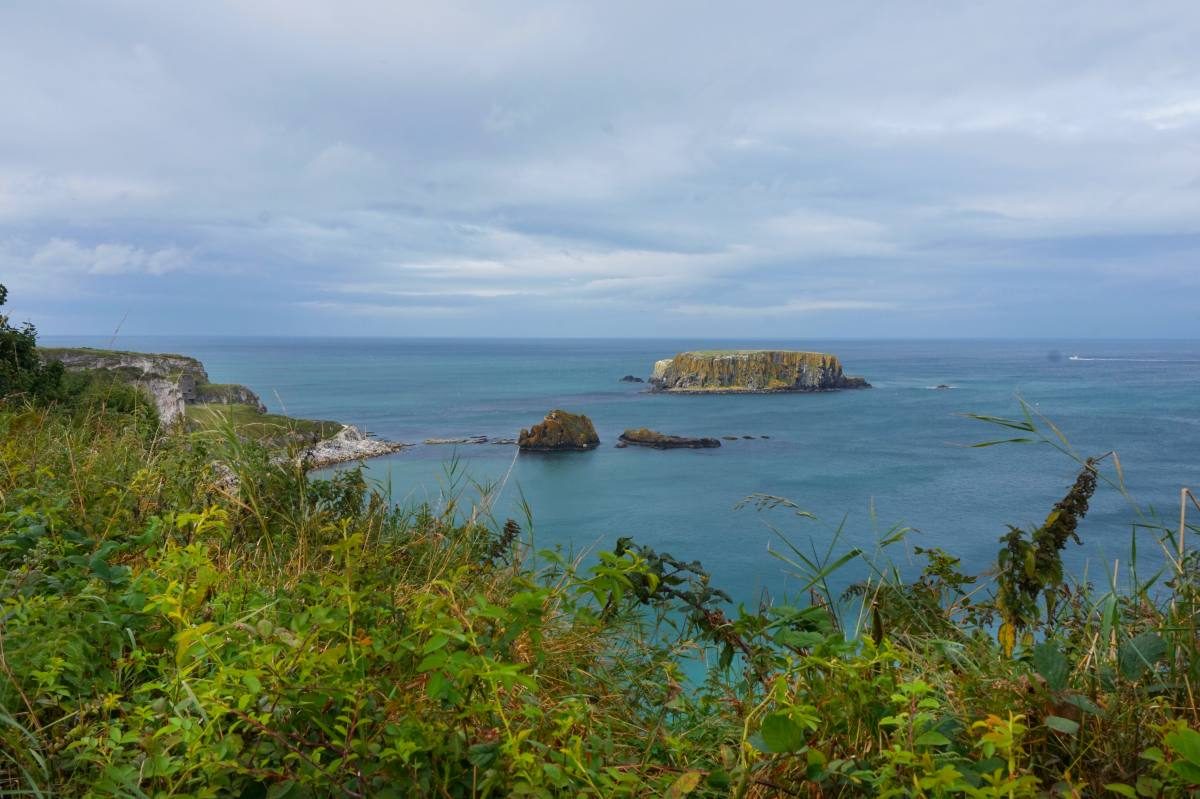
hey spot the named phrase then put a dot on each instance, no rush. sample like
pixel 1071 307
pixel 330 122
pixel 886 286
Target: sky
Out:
pixel 791 169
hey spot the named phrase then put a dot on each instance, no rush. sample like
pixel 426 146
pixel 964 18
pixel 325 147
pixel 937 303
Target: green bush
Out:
pixel 22 373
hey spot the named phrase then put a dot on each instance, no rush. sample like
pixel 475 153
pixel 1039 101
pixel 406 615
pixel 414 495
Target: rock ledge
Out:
pixel 644 437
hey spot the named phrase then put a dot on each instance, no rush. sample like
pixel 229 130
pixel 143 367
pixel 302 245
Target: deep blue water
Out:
pixel 894 454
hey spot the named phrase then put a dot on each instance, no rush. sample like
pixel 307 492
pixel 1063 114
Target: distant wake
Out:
pixel 1130 360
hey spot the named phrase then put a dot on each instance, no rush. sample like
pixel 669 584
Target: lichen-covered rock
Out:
pixel 751 371
pixel 645 437
pixel 560 431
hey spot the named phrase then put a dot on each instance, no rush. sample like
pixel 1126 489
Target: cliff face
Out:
pixel 560 431
pixel 174 381
pixel 734 371
pixel 226 394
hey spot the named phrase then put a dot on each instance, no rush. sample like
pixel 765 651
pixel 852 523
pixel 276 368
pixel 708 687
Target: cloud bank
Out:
pixel 544 168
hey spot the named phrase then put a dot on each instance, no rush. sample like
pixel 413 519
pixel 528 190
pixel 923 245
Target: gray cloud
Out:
pixel 543 168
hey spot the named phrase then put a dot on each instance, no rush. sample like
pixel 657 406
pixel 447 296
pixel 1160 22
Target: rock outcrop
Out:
pixel 350 444
pixel 226 394
pixel 560 431
pixel 750 371
pixel 632 379
pixel 644 437
pixel 173 381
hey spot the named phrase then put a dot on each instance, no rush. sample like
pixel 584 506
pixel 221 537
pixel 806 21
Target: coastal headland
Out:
pixel 186 399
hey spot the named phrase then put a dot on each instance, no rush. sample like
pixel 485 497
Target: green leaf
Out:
pixel 781 734
pixel 1014 424
pixel 1051 663
pixel 982 444
pixel 1083 703
pixel 1136 655
pixel 483 755
pixel 797 639
pixel 280 790
pixel 1121 788
pixel 1188 771
pixel 1060 724
pixel 719 779
pixel 431 662
pixel 932 738
pixel 1186 744
pixel 435 643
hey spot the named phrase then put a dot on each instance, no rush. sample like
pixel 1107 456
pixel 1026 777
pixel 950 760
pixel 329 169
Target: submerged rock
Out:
pixel 470 440
pixel 644 437
pixel 751 371
pixel 632 379
pixel 560 431
pixel 467 440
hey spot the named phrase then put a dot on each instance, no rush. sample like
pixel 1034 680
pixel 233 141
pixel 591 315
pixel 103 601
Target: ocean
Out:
pixel 861 461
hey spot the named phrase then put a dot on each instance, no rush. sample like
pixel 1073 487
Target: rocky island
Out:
pixel 560 431
pixel 750 372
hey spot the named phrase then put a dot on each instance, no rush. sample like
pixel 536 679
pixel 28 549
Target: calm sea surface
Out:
pixel 866 460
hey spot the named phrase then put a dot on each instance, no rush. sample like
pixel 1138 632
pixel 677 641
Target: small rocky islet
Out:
pixel 751 372
pixel 560 431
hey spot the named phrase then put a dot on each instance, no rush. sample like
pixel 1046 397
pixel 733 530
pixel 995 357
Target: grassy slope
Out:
pixel 163 636
pixel 249 423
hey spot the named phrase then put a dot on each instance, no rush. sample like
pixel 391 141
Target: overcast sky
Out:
pixel 718 169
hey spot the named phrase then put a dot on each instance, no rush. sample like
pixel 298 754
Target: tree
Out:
pixel 22 373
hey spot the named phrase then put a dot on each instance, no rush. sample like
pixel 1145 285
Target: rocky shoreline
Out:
pixel 350 444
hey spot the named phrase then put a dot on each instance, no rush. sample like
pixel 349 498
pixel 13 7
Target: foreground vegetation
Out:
pixel 166 631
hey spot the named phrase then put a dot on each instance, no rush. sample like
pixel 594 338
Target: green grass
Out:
pixel 52 352
pixel 215 419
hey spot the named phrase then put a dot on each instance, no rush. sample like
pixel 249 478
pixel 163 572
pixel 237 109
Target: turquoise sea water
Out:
pixel 893 454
